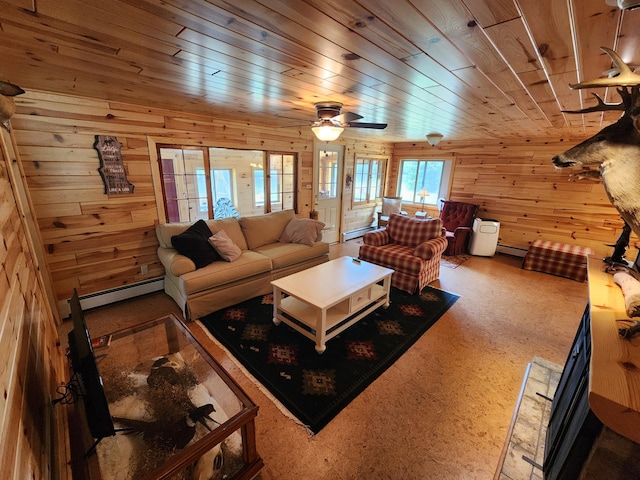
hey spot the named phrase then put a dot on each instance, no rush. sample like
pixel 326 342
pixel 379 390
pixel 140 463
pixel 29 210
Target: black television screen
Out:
pixel 85 368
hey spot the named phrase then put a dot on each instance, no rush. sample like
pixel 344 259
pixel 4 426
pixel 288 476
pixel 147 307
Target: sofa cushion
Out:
pixel 283 255
pixel 412 231
pixel 225 247
pixel 302 230
pixel 264 229
pixel 165 231
pixel 231 227
pixel 193 243
pixel 219 274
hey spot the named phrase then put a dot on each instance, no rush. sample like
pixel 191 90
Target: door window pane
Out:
pixel 327 175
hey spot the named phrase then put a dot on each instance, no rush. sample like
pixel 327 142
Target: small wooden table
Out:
pixel 326 299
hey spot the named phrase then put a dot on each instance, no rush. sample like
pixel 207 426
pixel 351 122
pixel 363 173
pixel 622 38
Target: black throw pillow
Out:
pixel 194 244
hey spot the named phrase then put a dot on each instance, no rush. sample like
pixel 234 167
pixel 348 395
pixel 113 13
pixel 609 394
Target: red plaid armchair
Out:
pixel 409 246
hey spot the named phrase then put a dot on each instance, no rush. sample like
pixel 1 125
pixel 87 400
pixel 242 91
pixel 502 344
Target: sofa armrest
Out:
pixel 376 238
pixel 431 248
pixel 175 263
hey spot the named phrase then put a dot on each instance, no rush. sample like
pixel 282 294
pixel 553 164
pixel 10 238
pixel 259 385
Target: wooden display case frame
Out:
pixel 242 421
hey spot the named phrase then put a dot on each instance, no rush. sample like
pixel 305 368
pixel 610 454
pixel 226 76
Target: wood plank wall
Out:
pixel 94 242
pixel 515 182
pixel 32 362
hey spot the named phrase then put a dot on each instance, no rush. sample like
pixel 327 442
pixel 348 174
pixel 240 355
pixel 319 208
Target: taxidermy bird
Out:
pixel 7 104
pixel 170 434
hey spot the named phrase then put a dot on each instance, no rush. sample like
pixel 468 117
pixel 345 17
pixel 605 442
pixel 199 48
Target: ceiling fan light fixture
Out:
pixel 434 138
pixel 327 133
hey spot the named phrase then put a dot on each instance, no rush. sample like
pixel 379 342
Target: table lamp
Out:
pixel 422 193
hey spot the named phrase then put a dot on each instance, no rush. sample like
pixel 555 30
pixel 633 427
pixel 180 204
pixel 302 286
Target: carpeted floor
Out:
pixel 312 387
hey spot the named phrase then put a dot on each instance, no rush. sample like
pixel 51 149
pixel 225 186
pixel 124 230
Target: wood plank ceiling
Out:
pixel 469 69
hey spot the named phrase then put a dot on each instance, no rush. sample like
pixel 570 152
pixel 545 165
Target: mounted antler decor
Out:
pixel 615 150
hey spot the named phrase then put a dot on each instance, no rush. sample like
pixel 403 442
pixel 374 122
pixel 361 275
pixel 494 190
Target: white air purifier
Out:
pixel 484 237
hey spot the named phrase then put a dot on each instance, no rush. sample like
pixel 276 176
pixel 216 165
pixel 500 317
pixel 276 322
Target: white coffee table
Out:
pixel 326 299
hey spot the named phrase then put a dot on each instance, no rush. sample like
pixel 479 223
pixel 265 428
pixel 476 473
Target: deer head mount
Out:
pixel 614 150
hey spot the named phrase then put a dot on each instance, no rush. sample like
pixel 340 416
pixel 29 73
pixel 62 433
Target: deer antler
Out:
pixel 626 78
pixel 602 105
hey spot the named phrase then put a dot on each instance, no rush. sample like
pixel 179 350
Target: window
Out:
pixel 221 183
pixel 184 184
pixel 367 181
pixel 417 175
pixel 258 189
pixel 282 182
pixel 190 193
pixel 328 175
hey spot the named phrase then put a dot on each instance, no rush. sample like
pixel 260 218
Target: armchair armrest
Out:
pixel 462 230
pixel 376 238
pixel 461 236
pixel 431 248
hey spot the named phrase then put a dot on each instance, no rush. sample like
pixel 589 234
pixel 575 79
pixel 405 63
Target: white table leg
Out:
pixel 277 296
pixel 386 284
pixel 321 330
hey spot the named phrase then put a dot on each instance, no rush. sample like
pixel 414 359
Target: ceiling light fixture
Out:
pixel 327 132
pixel 434 138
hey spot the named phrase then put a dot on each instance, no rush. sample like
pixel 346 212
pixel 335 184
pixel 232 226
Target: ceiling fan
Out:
pixel 331 121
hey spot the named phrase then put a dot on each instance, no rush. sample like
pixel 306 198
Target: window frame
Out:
pixel 236 178
pixel 380 177
pixel 443 185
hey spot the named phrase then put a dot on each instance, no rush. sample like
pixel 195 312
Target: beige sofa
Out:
pixel 221 284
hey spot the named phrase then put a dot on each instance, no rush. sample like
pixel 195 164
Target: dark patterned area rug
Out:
pixel 314 387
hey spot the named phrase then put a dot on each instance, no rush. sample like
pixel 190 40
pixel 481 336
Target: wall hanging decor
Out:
pixel 111 168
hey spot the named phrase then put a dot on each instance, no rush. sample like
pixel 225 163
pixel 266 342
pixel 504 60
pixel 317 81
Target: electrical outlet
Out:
pixel 144 269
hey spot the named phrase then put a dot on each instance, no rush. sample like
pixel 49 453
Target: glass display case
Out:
pixel 177 413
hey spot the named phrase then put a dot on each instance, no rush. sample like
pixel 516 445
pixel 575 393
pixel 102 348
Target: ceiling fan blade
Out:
pixel 378 126
pixel 346 117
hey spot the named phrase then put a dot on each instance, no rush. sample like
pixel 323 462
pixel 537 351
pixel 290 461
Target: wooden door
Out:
pixel 327 175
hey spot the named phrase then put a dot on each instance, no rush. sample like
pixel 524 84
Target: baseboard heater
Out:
pixel 105 297
pixel 516 252
pixel 356 233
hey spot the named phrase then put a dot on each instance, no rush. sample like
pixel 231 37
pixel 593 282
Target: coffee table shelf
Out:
pixel 326 299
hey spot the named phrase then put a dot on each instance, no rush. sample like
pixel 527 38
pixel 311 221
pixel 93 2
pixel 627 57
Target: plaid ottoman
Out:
pixel 556 258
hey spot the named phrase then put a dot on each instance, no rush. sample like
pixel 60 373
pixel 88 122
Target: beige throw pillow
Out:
pixel 225 247
pixel 302 230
